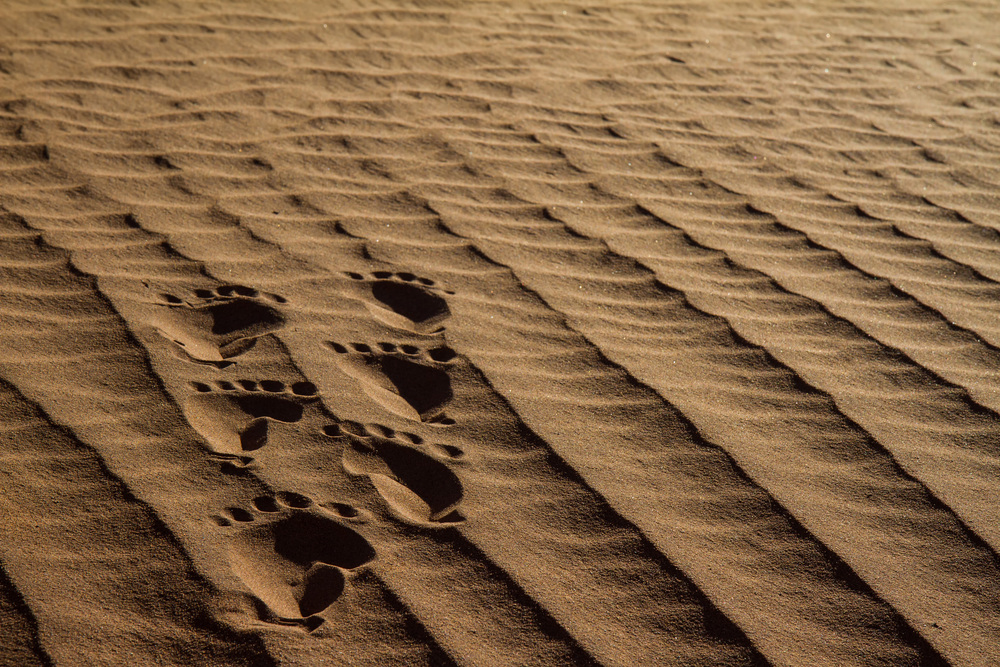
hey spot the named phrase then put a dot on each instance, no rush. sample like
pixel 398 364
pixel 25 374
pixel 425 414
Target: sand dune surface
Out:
pixel 432 332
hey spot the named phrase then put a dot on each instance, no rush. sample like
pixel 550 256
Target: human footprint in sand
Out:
pixel 404 301
pixel 293 557
pixel 237 417
pixel 417 487
pixel 214 325
pixel 407 380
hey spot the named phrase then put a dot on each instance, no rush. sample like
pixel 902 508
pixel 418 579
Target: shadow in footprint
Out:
pixel 413 390
pixel 417 487
pixel 409 307
pixel 236 418
pixel 294 565
pixel 218 324
pixel 404 301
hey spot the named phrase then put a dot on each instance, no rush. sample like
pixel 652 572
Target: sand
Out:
pixel 513 333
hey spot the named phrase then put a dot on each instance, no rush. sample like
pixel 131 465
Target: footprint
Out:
pixel 404 379
pixel 405 301
pixel 218 324
pixel 418 488
pixel 237 417
pixel 292 556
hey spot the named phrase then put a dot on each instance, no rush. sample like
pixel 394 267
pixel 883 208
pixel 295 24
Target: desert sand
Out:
pixel 374 332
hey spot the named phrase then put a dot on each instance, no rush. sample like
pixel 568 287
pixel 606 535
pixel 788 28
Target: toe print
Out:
pixel 404 379
pixel 214 325
pixel 292 556
pixel 417 487
pixel 237 417
pixel 405 301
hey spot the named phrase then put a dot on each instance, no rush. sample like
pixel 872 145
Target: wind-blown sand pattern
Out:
pixel 508 333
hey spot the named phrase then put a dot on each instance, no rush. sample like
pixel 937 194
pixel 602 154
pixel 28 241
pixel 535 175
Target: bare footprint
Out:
pixel 218 324
pixel 292 556
pixel 404 301
pixel 237 417
pixel 417 487
pixel 406 380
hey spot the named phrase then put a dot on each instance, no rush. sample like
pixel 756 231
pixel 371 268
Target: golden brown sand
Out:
pixel 508 333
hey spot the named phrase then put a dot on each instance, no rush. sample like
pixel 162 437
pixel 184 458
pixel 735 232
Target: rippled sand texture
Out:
pixel 455 333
